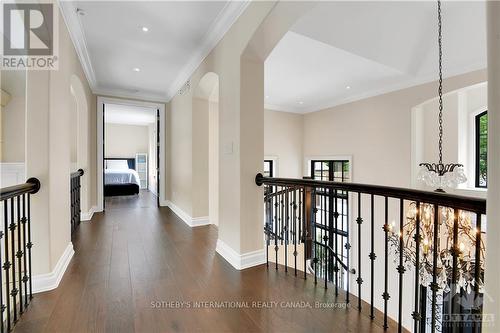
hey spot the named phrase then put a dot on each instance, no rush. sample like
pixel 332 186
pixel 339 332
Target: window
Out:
pixel 268 168
pixel 481 149
pixel 332 170
pixel 327 203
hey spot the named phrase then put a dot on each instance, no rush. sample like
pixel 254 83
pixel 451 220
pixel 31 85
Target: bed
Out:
pixel 120 177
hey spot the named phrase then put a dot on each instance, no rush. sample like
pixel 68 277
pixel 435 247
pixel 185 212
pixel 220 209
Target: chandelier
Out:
pixel 441 175
pixel 445 244
pixel 467 237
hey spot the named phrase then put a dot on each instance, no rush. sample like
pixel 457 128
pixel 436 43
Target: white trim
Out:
pixel 308 159
pixel 199 221
pixel 275 160
pixel 49 281
pixel 72 20
pixel 129 95
pixel 87 216
pixel 190 221
pixel 226 18
pixel 375 92
pixel 100 154
pixel 240 261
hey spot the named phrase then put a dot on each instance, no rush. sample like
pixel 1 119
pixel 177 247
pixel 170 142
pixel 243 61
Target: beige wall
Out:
pixel 49 103
pixel 13 117
pixel 283 140
pixel 200 157
pixel 376 131
pixel 125 140
pixel 224 60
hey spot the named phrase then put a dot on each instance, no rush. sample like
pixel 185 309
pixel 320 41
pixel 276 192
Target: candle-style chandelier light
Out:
pixel 439 175
pixel 467 236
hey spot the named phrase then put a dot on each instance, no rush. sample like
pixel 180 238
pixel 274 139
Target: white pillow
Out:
pixel 117 164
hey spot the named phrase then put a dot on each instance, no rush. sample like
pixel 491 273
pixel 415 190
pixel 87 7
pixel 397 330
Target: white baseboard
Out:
pixel 199 221
pixel 88 215
pixel 240 261
pixel 49 281
pixel 190 221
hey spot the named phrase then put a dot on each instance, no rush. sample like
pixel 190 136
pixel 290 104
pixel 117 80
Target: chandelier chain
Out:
pixel 440 88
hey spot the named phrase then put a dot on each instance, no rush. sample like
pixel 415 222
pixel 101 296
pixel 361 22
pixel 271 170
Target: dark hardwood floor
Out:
pixel 135 256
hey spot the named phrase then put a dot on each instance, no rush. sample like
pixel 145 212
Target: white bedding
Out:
pixel 121 176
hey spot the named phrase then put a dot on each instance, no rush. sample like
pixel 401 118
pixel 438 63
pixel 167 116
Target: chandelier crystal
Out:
pixel 439 175
pixel 467 237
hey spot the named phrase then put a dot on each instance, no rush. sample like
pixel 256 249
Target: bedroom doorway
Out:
pixel 130 142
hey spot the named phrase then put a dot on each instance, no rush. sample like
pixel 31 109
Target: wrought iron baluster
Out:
pixel 267 190
pixel 434 285
pixel 454 273
pixel 401 269
pixel 306 219
pixel 29 245
pixel 386 295
pixel 416 315
pixel 25 276
pixel 336 241
pixel 276 223
pixel 2 306
pixel 477 270
pixel 12 228
pixel 372 255
pixel 359 280
pixel 313 232
pixel 295 221
pixel 19 255
pixel 6 264
pixel 286 222
pixel 347 247
pixel 326 252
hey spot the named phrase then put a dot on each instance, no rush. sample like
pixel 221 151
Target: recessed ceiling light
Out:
pixel 301 102
pixel 145 29
pixel 267 96
pixel 348 87
pixel 135 69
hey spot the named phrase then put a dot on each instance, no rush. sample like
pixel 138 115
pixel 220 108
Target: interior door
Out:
pixel 158 157
pixel 103 154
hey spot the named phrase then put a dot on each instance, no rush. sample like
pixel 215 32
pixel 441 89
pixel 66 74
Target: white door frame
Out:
pixel 100 153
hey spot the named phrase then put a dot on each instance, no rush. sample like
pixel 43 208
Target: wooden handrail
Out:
pixel 476 205
pixel 31 186
pixel 77 173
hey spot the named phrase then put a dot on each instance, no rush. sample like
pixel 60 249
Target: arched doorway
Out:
pixel 79 124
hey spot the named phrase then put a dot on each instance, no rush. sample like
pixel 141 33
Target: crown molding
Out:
pixel 77 36
pixel 137 96
pixel 226 18
pixel 376 92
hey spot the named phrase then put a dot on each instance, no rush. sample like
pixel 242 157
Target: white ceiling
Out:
pixel 372 47
pixel 110 42
pixel 129 115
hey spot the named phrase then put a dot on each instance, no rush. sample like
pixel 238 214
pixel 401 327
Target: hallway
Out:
pixel 136 256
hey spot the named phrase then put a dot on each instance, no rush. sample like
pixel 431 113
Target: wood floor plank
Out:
pixel 135 261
